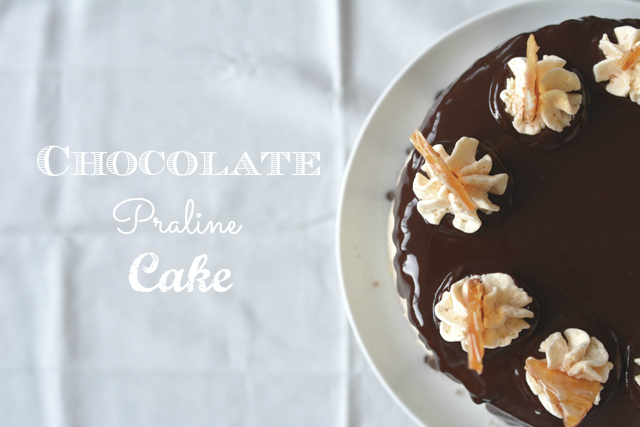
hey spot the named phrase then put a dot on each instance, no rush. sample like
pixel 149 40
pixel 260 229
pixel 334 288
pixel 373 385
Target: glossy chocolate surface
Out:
pixel 568 228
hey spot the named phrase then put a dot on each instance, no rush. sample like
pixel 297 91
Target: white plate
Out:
pixel 374 311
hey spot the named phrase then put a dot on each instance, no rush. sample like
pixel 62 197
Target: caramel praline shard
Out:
pixel 475 325
pixel 530 92
pixel 630 59
pixel 574 396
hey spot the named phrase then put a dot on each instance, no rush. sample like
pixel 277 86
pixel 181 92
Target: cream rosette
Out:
pixel 503 311
pixel 556 107
pixel 620 67
pixel 538 94
pixel 578 355
pixel 435 197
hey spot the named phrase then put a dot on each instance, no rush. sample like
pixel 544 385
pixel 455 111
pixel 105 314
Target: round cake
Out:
pixel 516 227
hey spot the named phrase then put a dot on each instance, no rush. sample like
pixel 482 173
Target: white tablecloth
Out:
pixel 79 347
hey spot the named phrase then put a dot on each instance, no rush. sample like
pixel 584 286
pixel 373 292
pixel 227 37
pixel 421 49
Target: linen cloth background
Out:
pixel 78 347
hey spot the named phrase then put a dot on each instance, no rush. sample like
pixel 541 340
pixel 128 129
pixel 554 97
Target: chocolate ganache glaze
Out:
pixel 568 228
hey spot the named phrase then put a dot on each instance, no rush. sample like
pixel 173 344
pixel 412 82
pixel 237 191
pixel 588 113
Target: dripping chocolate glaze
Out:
pixel 569 227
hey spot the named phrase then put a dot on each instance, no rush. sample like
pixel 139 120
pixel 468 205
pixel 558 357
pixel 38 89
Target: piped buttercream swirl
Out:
pixel 555 106
pixel 578 355
pixel 503 310
pixel 435 198
pixel 624 79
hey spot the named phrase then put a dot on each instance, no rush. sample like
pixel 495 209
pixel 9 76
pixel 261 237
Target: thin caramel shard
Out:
pixel 440 168
pixel 530 92
pixel 475 334
pixel 573 396
pixel 630 58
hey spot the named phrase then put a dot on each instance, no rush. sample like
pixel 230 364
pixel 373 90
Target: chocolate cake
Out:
pixel 560 226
